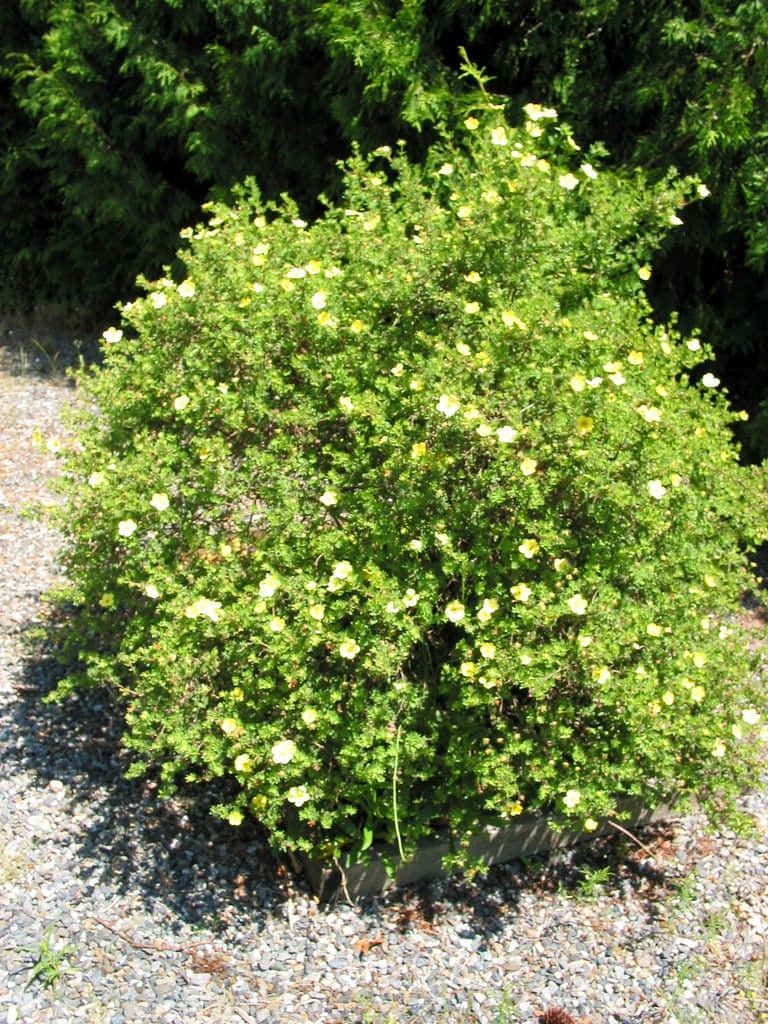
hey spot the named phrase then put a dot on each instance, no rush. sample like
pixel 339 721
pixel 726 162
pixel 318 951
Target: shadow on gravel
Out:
pixel 174 854
pixel 168 853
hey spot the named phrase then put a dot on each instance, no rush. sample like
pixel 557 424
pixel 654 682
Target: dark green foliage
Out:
pixel 120 116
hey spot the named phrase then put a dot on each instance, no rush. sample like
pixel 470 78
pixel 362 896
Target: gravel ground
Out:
pixel 134 911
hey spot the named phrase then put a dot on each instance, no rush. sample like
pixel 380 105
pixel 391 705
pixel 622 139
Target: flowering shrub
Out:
pixel 411 518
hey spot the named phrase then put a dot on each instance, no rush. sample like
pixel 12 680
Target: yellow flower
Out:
pixel 313 267
pixel 668 698
pixel 654 708
pixel 231 727
pixel 578 604
pixel 654 629
pixel 473 277
pixel 528 468
pixel 325 319
pixel 112 335
pixel 283 751
pixel 463 348
pixel 471 307
pixel 418 450
pixel 346 404
pixel 511 319
pixel 309 717
pixel 187 289
pixel 357 326
pixel 181 403
pixel 699 659
pixel 520 592
pixel 561 564
pixel 107 600
pixel 448 405
pixel 317 612
pixel 464 212
pixel 126 527
pixel 484 430
pixel 277 624
pixel 468 669
pixel 718 750
pixel 488 651
pixel 268 585
pixel 349 649
pixel 572 798
pixel 644 273
pixel 235 818
pixel 590 825
pixel 397 370
pixel 297 795
pixel 697 694
pixel 506 435
pixel 243 763
pixel 454 611
pixel 159 501
pixel 578 382
pixel 636 358
pixel 329 498
pixel 471 124
pixel 529 547
pixel 601 675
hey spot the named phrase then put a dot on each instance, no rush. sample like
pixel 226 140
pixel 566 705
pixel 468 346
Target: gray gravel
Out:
pixel 156 913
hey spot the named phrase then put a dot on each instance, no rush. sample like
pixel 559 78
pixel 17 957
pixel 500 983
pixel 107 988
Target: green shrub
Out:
pixel 411 518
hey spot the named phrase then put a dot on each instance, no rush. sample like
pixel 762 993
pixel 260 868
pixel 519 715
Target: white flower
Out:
pixel 588 170
pixel 649 413
pixel 181 402
pixel 454 611
pixel 750 716
pixel 297 795
pixel 112 335
pixel 329 498
pixel 159 501
pixel 349 649
pixel 151 591
pixel 342 571
pixel 187 289
pixel 568 181
pixel 158 300
pixel 506 435
pixel 572 798
pixel 268 585
pixel 318 300
pixel 126 527
pixel 656 489
pixel 203 606
pixel 448 405
pixel 499 136
pixel 577 604
pixel 243 763
pixel 346 404
pixel 410 598
pixel 96 479
pixel 283 751
pixel 709 380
